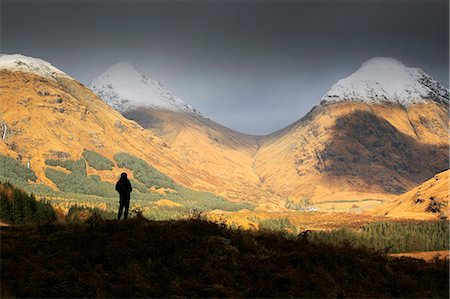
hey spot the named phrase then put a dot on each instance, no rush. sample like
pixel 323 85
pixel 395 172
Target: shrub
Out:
pixel 196 258
pixel 162 214
pixel 278 224
pixel 205 201
pixel 25 185
pixel 97 161
pixel 151 177
pixel 143 172
pixel 80 214
pixel 75 166
pixel 77 183
pixel 138 186
pixel 11 168
pixel 299 205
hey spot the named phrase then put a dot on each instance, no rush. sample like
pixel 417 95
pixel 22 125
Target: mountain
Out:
pixel 124 88
pixel 427 201
pixel 366 140
pixel 220 156
pixel 386 80
pixel 347 152
pixel 367 143
pixel 46 115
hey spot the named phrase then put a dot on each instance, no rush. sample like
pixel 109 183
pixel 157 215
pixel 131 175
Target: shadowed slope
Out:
pixel 194 258
pixel 355 150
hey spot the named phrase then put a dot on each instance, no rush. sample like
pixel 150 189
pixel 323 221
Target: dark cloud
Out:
pixel 254 66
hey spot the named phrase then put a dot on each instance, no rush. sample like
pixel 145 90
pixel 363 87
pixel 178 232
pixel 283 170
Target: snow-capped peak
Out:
pixel 382 79
pixel 18 62
pixel 123 87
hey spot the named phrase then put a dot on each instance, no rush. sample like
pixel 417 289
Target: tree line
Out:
pixel 17 207
pixel 392 237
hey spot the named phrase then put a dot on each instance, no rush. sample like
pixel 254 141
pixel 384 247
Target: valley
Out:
pixel 360 182
pixel 224 149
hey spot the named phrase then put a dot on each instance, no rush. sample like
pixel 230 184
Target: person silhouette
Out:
pixel 124 188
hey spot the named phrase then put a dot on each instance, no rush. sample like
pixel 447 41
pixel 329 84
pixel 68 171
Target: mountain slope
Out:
pixel 366 140
pixel 56 117
pixel 358 147
pixel 219 155
pixel 348 149
pixel 223 156
pixel 45 116
pixel 427 201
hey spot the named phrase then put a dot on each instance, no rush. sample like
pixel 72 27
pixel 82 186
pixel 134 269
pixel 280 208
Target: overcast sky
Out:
pixel 254 66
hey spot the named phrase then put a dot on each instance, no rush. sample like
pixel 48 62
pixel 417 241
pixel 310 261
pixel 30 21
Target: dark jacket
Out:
pixel 123 186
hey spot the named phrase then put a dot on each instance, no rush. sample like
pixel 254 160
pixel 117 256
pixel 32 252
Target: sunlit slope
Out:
pixel 220 157
pixel 215 153
pixel 51 118
pixel 351 150
pixel 427 201
pixel 57 118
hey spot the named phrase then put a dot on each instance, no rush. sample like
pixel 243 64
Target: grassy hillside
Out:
pixel 196 258
pixel 77 185
pixel 55 118
pixel 427 201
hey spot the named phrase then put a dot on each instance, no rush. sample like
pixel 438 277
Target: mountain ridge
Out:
pixel 120 103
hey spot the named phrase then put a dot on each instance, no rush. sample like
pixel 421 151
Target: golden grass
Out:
pixel 425 255
pixel 414 203
pixel 166 203
pixel 301 220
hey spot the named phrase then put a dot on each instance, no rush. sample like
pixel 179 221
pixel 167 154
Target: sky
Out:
pixel 253 66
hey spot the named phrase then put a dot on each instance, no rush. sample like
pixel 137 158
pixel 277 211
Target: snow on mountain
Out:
pixel 18 62
pixel 123 87
pixel 383 79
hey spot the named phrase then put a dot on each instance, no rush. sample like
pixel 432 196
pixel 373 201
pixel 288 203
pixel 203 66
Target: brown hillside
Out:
pixel 427 201
pixel 208 148
pixel 355 150
pixel 59 118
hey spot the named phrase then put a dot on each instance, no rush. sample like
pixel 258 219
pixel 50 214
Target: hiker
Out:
pixel 124 188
